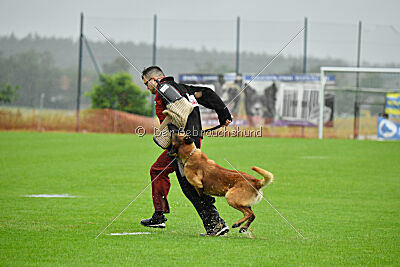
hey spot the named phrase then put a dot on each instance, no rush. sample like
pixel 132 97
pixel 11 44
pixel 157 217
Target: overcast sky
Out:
pixel 381 22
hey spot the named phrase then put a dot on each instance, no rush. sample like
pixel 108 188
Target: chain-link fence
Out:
pixel 40 65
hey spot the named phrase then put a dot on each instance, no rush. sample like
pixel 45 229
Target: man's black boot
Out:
pixel 218 230
pixel 157 220
pixel 213 223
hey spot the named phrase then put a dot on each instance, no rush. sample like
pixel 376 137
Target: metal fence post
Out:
pixel 237 44
pixel 356 102
pixel 305 45
pixel 78 99
pixel 154 62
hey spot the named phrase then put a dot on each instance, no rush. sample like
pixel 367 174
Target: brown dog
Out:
pixel 240 189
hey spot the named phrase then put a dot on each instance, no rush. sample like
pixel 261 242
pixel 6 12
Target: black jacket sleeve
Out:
pixel 211 100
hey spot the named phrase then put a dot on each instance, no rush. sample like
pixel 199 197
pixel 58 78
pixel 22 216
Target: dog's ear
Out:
pixel 172 128
pixel 188 140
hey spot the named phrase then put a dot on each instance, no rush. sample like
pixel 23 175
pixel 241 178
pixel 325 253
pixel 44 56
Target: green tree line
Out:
pixel 37 65
pixel 34 73
pixel 174 60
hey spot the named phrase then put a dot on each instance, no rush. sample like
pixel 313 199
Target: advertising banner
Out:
pixel 392 106
pixel 280 100
pixel 388 130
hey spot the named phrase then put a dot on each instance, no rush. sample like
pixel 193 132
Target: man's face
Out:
pixel 150 84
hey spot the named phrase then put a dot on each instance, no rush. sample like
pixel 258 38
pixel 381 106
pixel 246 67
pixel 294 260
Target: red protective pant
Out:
pixel 160 181
pixel 159 176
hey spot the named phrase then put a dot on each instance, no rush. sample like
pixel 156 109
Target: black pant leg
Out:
pixel 204 205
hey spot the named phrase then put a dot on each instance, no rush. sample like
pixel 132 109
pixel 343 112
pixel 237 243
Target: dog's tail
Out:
pixel 268 177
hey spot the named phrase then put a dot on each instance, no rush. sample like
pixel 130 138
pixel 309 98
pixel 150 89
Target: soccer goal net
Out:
pixel 359 99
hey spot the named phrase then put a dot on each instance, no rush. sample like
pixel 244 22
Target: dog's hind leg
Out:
pixel 234 197
pixel 248 215
pixel 249 221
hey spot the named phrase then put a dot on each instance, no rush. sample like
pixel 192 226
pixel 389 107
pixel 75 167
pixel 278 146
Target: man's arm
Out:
pixel 209 99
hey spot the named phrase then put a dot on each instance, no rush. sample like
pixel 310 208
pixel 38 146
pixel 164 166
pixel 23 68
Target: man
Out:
pixel 153 77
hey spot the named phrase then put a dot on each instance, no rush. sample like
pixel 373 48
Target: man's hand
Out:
pixel 198 94
pixel 227 122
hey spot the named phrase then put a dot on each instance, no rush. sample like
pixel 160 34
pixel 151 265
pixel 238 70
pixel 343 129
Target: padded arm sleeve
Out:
pixel 211 100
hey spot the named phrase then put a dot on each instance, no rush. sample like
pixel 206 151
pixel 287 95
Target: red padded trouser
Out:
pixel 159 176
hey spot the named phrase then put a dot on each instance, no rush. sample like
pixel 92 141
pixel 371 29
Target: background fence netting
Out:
pixel 282 98
pixel 359 100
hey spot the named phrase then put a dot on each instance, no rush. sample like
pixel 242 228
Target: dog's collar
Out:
pixel 187 158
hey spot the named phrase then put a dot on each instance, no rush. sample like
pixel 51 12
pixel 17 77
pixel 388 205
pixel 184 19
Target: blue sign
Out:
pixel 231 77
pixel 198 78
pixel 205 77
pixel 388 130
pixel 288 78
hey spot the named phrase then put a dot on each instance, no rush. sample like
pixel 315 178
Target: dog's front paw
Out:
pixel 235 225
pixel 171 154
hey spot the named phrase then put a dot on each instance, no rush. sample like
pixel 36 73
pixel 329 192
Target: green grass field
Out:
pixel 342 195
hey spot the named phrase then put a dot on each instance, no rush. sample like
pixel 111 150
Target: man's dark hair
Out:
pixel 152 71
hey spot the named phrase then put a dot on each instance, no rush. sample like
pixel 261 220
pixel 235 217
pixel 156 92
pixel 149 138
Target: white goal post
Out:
pixel 342 69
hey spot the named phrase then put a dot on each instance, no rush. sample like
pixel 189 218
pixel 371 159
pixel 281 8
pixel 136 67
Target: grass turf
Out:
pixel 342 195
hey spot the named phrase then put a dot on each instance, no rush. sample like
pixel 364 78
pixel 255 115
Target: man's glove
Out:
pixel 224 115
